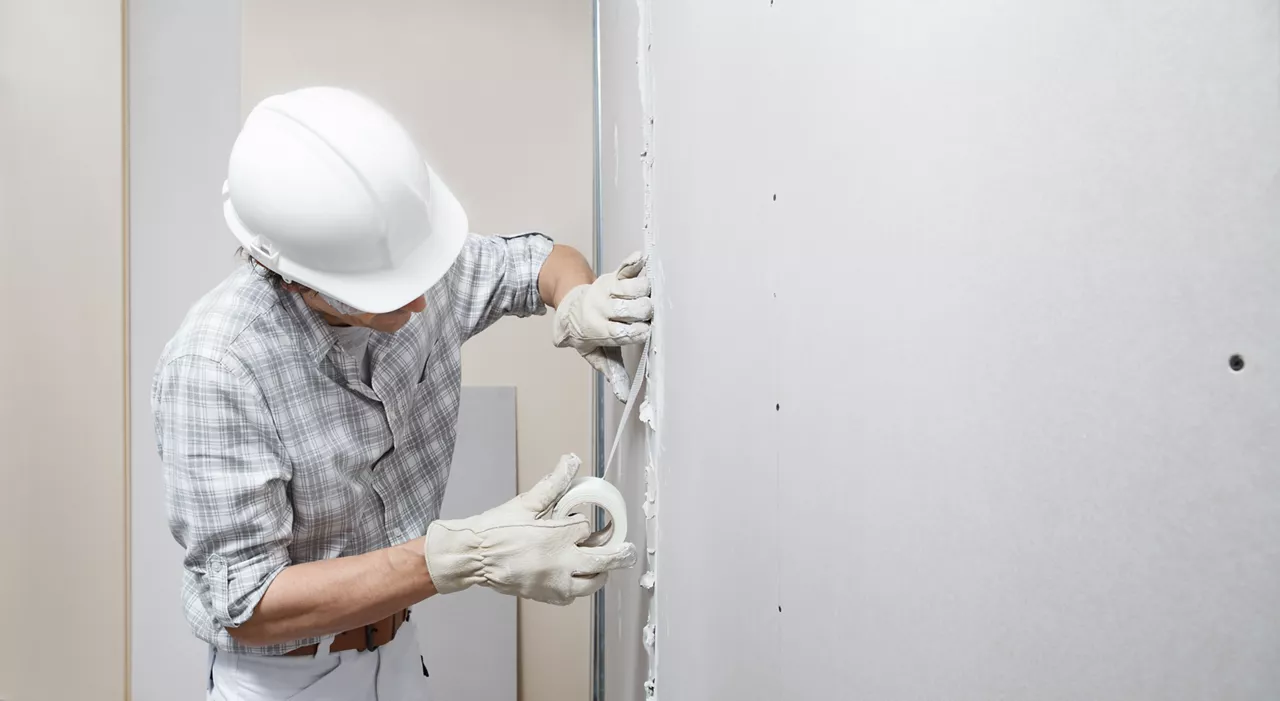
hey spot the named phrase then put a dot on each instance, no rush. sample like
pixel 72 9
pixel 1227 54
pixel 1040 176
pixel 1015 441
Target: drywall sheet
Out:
pixel 622 131
pixel 469 638
pixel 949 295
pixel 716 593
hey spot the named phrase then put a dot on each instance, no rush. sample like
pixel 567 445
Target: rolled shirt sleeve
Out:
pixel 226 478
pixel 497 276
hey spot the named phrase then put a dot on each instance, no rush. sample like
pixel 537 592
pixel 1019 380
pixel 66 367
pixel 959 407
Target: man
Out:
pixel 306 409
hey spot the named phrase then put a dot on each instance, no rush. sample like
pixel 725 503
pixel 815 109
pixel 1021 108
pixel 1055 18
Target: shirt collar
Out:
pixel 316 332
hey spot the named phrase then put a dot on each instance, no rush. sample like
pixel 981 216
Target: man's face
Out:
pixel 389 322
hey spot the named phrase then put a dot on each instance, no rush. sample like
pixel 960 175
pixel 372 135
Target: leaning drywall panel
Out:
pixel 468 639
pixel 184 96
pixel 1023 240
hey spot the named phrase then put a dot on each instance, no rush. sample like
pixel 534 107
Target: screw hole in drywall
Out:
pixel 777 407
pixel 775 198
pixel 779 609
pixel 1236 363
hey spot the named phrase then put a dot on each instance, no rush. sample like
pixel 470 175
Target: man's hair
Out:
pixel 267 273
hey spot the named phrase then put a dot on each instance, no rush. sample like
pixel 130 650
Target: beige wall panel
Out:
pixel 62 479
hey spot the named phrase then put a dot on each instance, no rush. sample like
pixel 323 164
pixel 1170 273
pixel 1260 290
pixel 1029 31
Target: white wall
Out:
pixel 184 114
pixel 984 441
pixel 62 408
pixel 499 95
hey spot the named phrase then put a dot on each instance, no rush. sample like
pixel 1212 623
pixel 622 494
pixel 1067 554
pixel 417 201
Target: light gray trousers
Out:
pixel 393 672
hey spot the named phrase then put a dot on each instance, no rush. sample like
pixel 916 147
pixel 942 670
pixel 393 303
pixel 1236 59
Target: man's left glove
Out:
pixel 598 319
pixel 517 549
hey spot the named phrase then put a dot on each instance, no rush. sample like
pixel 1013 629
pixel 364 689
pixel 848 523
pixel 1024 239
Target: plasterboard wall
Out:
pixel 498 93
pixel 623 165
pixel 952 416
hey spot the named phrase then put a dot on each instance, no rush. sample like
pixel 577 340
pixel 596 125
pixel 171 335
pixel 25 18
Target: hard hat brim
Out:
pixel 382 291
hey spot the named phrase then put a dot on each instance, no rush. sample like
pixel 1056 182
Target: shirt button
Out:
pixel 216 565
pixel 395 533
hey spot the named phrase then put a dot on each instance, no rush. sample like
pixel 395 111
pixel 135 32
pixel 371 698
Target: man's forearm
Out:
pixel 563 270
pixel 331 596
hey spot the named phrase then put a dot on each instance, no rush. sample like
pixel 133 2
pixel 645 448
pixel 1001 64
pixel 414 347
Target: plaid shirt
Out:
pixel 277 453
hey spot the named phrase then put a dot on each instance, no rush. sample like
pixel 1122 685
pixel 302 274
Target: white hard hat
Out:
pixel 328 190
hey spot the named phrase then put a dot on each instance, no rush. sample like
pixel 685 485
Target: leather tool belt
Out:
pixel 365 638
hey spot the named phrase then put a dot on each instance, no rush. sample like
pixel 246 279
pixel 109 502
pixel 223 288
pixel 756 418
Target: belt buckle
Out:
pixel 369 630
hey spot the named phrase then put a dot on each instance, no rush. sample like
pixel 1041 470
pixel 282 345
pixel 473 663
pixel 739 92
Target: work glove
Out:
pixel 515 549
pixel 598 319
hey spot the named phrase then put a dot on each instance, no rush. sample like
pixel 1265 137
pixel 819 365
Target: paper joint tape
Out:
pixel 585 492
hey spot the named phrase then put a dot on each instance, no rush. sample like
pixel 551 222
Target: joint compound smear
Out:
pixel 649 412
pixel 646 411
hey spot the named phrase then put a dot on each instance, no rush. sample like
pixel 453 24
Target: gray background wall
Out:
pixel 954 415
pixel 184 108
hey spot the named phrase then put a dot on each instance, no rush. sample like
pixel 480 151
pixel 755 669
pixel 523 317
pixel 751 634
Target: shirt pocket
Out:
pixel 425 375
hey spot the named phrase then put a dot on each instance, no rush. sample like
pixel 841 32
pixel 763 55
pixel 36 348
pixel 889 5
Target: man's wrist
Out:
pixel 409 558
pixel 562 271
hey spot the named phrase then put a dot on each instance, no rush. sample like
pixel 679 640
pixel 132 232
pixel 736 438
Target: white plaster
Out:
pixel 650 634
pixel 650 484
pixel 646 413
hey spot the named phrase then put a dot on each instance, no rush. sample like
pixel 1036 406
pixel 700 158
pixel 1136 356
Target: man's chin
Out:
pixel 391 322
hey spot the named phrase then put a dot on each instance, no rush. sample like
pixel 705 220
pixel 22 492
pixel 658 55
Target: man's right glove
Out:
pixel 514 550
pixel 598 319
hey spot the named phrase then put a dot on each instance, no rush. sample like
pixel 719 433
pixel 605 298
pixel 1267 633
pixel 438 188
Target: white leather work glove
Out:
pixel 599 318
pixel 515 550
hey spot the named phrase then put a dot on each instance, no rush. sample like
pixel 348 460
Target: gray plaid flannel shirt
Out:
pixel 276 453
